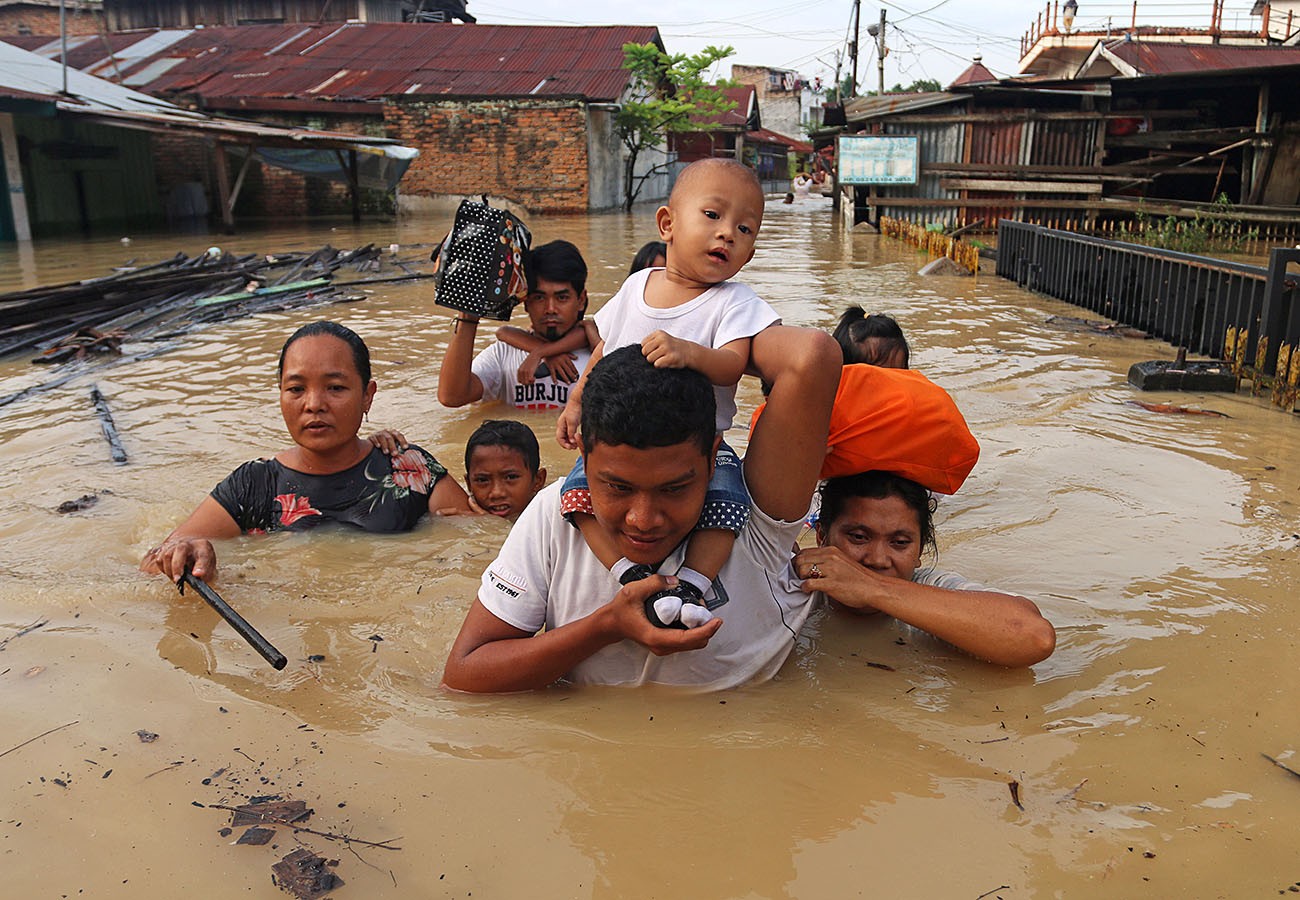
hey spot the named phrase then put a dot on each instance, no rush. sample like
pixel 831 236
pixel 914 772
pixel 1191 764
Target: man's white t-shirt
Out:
pixel 546 576
pixel 726 312
pixel 498 368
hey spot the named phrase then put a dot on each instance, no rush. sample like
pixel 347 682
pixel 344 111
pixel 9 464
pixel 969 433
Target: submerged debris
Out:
pixel 256 836
pixel 85 501
pixel 1114 329
pixel 283 812
pixel 1180 410
pixel 80 321
pixel 306 875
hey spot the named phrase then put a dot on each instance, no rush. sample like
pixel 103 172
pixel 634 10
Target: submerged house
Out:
pixel 1166 128
pixel 739 134
pixel 524 114
pixel 81 154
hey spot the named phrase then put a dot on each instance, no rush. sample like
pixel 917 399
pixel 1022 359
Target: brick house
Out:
pixel 23 17
pixel 127 15
pixel 524 114
pixel 739 134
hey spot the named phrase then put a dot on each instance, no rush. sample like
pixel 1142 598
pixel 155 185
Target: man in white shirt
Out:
pixel 557 299
pixel 548 610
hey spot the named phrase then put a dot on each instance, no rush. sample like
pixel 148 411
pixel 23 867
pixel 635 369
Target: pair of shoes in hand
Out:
pixel 681 606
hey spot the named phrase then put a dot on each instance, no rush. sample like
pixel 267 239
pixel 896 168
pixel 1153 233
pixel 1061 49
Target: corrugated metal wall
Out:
pixel 79 176
pixel 941 142
pixel 1006 144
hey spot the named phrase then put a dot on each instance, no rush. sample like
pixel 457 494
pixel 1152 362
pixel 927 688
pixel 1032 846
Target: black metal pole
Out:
pixel 237 622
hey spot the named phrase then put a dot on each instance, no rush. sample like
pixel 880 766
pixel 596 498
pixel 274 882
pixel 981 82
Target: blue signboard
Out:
pixel 878 159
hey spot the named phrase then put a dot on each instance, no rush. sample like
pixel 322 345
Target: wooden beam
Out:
pixel 979 203
pixel 223 188
pixel 1261 153
pixel 1165 139
pixel 354 185
pixel 1029 187
pixel 1117 172
pixel 239 181
pixel 14 178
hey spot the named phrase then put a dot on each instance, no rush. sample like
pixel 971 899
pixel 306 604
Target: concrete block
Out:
pixel 1161 375
pixel 943 266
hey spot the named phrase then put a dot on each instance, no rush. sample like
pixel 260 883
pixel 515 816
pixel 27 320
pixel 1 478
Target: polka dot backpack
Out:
pixel 479 268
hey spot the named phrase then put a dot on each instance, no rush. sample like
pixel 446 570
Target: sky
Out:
pixel 925 39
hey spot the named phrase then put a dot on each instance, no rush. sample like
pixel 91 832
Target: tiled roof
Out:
pixel 976 73
pixel 366 61
pixel 771 137
pixel 743 98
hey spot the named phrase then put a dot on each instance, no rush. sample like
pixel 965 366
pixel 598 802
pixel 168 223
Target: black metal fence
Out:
pixel 1189 301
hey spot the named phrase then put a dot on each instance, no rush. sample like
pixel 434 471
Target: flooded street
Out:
pixel 1165 549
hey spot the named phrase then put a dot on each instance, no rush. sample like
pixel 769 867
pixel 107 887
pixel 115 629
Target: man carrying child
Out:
pixel 688 314
pixel 661 508
pixel 557 300
pixel 648 439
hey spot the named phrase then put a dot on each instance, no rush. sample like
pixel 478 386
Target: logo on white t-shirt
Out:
pixel 507 582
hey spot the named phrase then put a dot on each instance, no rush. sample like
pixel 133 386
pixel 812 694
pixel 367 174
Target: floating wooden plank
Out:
pixel 107 425
pixel 263 292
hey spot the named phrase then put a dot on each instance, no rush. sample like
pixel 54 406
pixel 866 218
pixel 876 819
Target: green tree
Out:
pixel 669 94
pixel 921 85
pixel 845 90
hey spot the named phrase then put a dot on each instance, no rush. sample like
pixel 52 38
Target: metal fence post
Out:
pixel 1279 300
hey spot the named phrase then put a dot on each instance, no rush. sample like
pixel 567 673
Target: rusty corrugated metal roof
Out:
pixel 365 61
pixel 862 108
pixel 1175 58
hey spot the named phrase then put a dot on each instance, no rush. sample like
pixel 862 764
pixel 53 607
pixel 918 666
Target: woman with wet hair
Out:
pixel 328 474
pixel 872 532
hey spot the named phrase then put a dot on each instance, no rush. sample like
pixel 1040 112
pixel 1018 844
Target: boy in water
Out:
pixel 503 467
pixel 687 314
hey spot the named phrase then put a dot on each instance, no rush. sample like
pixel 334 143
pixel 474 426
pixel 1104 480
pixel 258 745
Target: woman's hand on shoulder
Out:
pixel 391 441
pixel 175 555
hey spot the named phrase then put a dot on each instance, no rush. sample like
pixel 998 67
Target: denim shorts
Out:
pixel 726 504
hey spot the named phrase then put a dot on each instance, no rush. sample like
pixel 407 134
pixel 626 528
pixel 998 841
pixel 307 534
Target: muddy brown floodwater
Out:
pixel 1164 548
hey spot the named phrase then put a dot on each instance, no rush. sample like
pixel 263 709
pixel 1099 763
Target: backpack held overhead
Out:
pixel 479 268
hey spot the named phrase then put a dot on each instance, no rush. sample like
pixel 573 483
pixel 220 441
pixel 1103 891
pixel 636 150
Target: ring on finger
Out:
pixel 814 571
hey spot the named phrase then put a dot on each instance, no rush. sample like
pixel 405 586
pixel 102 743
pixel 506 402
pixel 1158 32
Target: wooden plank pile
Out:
pixel 172 297
pixel 85 320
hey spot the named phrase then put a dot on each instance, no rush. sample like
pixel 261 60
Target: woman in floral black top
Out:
pixel 329 474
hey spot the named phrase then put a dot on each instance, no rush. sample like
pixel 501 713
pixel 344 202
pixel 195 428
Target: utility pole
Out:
pixel 878 32
pixel 853 47
pixel 63 40
pixel 880 51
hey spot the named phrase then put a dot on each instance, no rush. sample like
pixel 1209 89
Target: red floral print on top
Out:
pixel 411 472
pixel 293 508
pixel 379 494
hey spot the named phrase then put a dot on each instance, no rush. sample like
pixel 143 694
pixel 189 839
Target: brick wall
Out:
pixel 269 192
pixel 44 20
pixel 531 152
